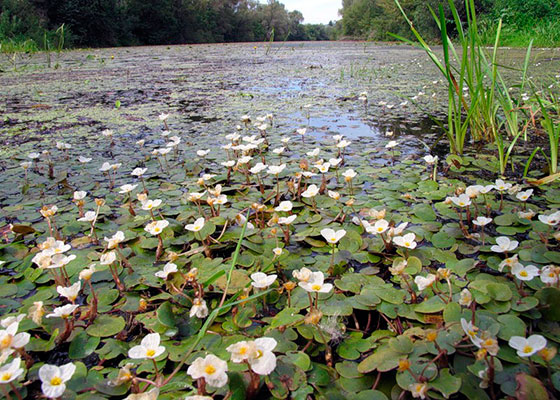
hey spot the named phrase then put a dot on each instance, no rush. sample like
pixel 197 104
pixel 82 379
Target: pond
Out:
pixel 367 268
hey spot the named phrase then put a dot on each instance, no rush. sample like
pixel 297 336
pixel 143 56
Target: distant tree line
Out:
pixel 523 19
pixel 102 23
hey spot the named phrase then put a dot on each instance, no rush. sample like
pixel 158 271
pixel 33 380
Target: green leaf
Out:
pixel 442 240
pixel 105 326
pixel 165 315
pixel 432 305
pixel 383 359
pixel 446 383
pixel 82 345
pixel 549 298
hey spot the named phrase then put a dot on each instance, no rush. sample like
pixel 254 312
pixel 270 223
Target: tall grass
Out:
pixel 488 113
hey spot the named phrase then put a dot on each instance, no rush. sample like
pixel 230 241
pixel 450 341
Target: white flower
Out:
pixel 105 167
pixel 301 131
pixel 278 150
pixel 379 227
pixel 163 116
pixel 335 161
pixel 242 351
pixel 228 164
pixel 303 274
pixel 197 226
pixel 524 273
pixel 552 219
pixel 195 196
pixel 258 168
pixel 465 298
pixel 508 262
pixel 471 331
pixel 424 282
pixel 277 251
pixel 9 338
pixel 527 347
pixel 86 273
pixel 26 164
pixel 429 159
pixel 11 319
pixel 405 241
pixel 60 260
pixel 168 268
pixel 349 174
pixel 504 244
pixel 63 312
pixel 287 220
pixel 33 156
pixel 71 292
pixel 324 168
pixel 343 143
pixel 211 368
pixel 53 379
pixel 524 196
pixel 244 160
pixel 127 188
pixel 199 309
pixel 391 144
pixel 549 275
pixel 500 185
pixel 262 280
pixel 114 240
pixel 316 283
pixel 482 221
pixel 312 191
pixel 263 362
pixel 150 204
pixel 79 195
pixel 418 390
pixel 156 227
pixel 202 153
pixel 462 200
pixel 11 371
pixel 149 347
pixel 333 195
pixel 284 206
pixel 89 216
pixel 276 169
pixel 529 214
pixel 138 171
pixel 473 190
pixel 332 236
pixel 108 258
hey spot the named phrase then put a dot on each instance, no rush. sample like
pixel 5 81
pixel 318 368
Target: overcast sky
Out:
pixel 314 11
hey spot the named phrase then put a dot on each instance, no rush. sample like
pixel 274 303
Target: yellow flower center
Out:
pixel 243 350
pixel 150 353
pixel 407 244
pixel 56 381
pixel 6 342
pixel 157 230
pixel 259 354
pixel 209 369
pixel 6 376
pixel 527 349
pixel 432 336
pixel 333 240
pixel 471 333
pixel 380 229
pixel 316 287
pixel 523 274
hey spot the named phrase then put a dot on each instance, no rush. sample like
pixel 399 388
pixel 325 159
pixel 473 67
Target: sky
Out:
pixel 315 11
